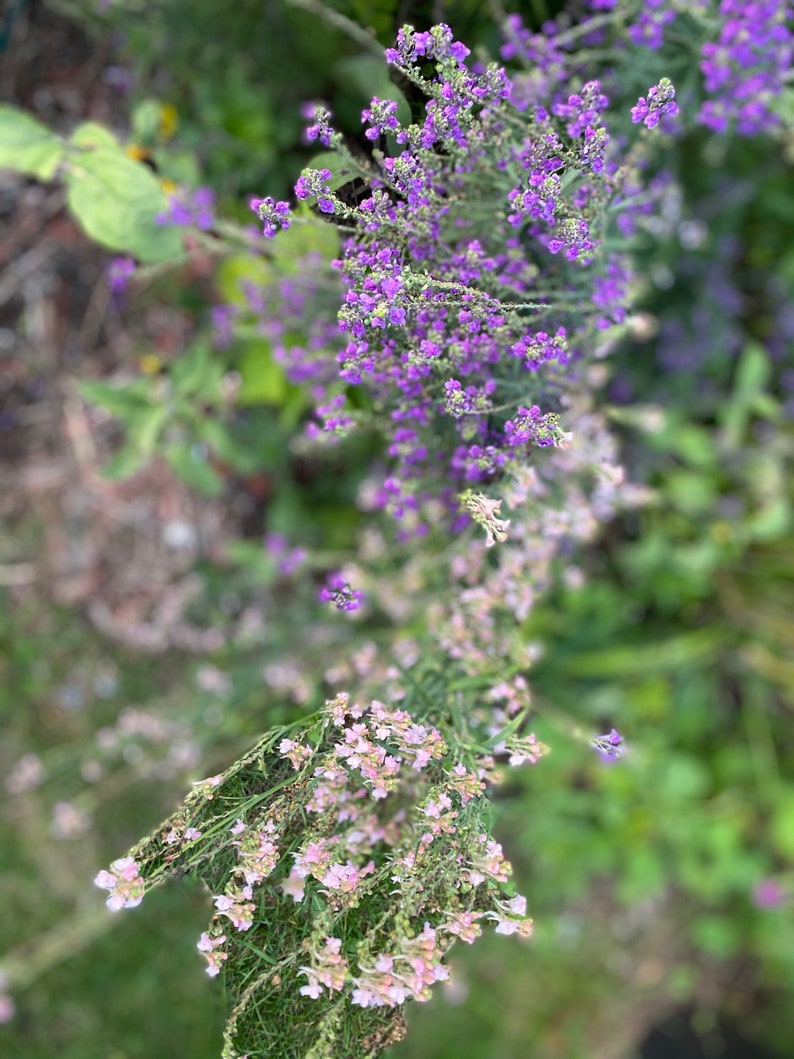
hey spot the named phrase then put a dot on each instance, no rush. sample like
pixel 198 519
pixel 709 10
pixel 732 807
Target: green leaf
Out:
pixel 129 459
pixel 179 166
pixel 116 200
pixel 145 427
pixel 782 826
pixel 290 247
pixel 642 659
pixel 753 371
pixel 264 381
pixel 197 374
pixel 370 77
pixel 28 146
pixel 122 401
pixel 259 566
pixel 342 169
pixel 192 467
pixel 237 269
pixel 146 120
pixel 91 136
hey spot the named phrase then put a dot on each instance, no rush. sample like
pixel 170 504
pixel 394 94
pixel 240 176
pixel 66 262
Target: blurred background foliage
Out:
pixel 661 886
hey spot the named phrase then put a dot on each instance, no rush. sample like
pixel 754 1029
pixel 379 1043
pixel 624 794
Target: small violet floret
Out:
pixel 660 102
pixel 339 592
pixel 610 746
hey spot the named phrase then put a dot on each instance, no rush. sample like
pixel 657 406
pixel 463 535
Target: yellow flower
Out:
pixel 150 364
pixel 169 119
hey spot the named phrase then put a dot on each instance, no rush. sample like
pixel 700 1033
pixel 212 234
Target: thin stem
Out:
pixel 340 22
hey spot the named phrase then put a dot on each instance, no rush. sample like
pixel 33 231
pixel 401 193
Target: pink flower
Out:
pixel 768 894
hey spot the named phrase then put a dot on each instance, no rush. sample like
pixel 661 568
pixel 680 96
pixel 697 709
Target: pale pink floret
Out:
pixel 211 948
pixel 125 883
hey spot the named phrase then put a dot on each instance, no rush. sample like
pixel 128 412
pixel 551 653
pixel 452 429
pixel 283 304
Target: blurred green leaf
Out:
pixel 193 468
pixel 197 374
pixel 782 826
pixel 116 200
pixel 27 146
pixel 146 121
pixel 264 381
pixel 121 400
pixel 369 76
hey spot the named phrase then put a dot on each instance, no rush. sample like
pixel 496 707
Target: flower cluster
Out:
pixel 450 269
pixel 659 103
pixel 367 801
pixel 124 882
pixel 275 216
pixel 340 593
pixel 746 67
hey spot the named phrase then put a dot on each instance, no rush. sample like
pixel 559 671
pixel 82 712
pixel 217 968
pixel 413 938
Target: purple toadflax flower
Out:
pixel 610 746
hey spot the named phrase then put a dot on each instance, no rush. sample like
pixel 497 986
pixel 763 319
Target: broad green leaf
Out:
pixel 259 566
pixel 222 444
pixel 146 121
pixel 91 135
pixel 642 659
pixel 116 200
pixel 28 146
pixel 264 381
pixel 179 166
pixel 782 826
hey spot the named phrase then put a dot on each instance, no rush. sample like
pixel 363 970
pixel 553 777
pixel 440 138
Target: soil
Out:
pixel 120 551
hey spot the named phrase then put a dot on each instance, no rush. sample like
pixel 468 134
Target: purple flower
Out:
pixel 381 116
pixel 659 103
pixel 274 215
pixel 339 592
pixel 746 67
pixel 186 208
pixel 320 129
pixel 119 272
pixel 610 746
pixel 768 894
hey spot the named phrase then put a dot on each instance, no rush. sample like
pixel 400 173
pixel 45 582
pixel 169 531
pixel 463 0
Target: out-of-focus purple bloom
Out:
pixel 746 67
pixel 119 272
pixel 648 30
pixel 223 325
pixel 289 559
pixel 768 894
pixel 186 208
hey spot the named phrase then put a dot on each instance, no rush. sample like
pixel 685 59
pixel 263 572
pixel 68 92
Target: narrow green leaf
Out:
pixel 122 401
pixel 193 468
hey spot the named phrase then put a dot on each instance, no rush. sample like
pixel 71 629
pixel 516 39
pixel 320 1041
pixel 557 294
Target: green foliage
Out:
pixel 414 892
pixel 28 146
pixel 115 199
